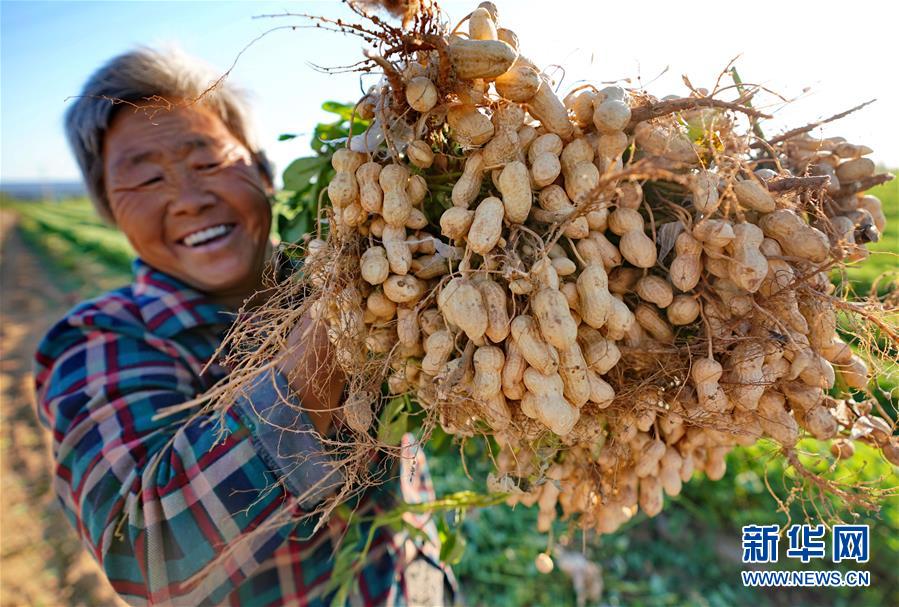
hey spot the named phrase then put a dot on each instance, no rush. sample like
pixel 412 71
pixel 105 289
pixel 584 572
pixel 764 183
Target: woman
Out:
pixel 185 509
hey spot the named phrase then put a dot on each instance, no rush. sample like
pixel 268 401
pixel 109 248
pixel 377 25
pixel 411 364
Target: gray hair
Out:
pixel 147 75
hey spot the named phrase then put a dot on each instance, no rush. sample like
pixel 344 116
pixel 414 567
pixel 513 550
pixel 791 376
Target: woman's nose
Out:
pixel 191 196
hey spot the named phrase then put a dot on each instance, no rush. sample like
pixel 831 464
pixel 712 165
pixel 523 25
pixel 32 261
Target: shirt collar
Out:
pixel 169 306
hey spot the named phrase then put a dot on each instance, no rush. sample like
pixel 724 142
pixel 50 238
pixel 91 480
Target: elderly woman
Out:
pixel 187 509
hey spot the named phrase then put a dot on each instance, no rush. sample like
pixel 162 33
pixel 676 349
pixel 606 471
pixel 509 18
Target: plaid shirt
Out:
pixel 157 500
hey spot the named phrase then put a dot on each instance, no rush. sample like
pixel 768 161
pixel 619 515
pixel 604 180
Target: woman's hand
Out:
pixel 312 371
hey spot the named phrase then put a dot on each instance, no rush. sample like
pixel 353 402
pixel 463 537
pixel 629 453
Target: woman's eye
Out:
pixel 150 181
pixel 210 165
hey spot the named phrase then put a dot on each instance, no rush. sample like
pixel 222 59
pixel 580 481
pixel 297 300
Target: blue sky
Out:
pixel 842 56
pixel 49 49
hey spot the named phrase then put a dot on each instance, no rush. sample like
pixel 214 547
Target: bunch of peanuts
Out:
pixel 616 299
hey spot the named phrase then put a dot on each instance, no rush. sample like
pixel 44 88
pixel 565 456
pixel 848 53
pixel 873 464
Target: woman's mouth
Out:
pixel 207 235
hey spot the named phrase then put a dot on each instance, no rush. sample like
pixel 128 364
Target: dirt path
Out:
pixel 42 560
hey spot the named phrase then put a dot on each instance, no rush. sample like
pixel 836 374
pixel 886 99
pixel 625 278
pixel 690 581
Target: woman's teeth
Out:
pixel 205 235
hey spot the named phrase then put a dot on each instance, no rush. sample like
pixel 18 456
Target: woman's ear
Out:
pixel 265 171
pixel 267 180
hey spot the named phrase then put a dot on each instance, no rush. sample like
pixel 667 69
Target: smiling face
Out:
pixel 189 198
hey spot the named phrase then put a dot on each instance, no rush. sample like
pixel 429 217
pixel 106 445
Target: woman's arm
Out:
pixel 158 499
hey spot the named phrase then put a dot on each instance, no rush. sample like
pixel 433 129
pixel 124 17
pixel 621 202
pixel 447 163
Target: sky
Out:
pixel 828 56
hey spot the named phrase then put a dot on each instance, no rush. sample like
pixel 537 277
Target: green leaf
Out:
pixel 454 556
pixel 344 110
pixel 394 407
pixel 442 528
pixel 440 440
pixel 359 127
pixel 414 532
pixel 392 432
pixel 446 536
pixel 342 594
pixel 346 563
pixel 447 545
pixel 287 136
pixel 299 173
pixel 452 542
pixel 298 228
pixel 325 175
pixel 394 421
pixel 328 134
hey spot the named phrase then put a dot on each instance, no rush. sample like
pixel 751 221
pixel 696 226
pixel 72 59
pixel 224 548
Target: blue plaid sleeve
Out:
pixel 281 429
pixel 158 499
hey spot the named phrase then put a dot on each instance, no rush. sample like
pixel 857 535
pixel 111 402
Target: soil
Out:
pixel 43 562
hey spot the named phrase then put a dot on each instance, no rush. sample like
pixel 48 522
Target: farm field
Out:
pixel 60 253
pixel 43 564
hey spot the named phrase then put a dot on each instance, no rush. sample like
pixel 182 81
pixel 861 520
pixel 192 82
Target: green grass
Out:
pixel 76 222
pixel 83 255
pixel 78 209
